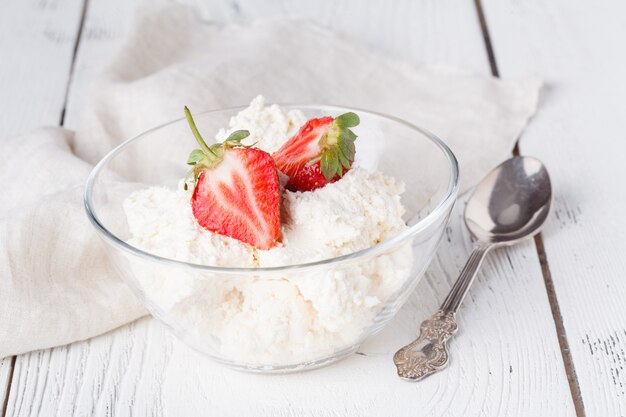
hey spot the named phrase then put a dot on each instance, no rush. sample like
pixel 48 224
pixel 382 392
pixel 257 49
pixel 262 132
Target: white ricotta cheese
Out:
pixel 269 126
pixel 286 317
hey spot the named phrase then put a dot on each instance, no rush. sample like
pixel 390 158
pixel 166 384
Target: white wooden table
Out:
pixel 543 331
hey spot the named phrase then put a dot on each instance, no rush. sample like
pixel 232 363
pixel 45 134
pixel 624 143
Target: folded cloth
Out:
pixel 56 285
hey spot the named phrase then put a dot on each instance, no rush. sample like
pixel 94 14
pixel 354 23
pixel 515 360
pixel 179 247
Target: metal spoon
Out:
pixel 511 203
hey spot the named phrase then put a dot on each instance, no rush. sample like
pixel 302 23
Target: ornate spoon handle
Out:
pixel 429 352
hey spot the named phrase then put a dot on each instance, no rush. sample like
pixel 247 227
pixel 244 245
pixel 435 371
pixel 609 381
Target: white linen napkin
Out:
pixel 56 284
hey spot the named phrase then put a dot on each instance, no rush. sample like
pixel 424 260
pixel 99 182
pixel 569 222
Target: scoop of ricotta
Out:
pixel 269 126
pixel 360 210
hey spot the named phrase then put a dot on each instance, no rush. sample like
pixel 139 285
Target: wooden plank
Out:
pixel 6 368
pixel 37 41
pixel 104 31
pixel 505 353
pixel 417 32
pixel 579 51
pixel 36 45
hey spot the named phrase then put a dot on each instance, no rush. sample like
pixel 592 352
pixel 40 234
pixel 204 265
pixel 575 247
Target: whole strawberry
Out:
pixel 320 153
pixel 236 192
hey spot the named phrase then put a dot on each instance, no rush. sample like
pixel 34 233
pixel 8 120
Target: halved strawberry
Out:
pixel 236 192
pixel 320 153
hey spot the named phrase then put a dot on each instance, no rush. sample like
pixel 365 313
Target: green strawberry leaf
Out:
pixel 343 160
pixel 348 134
pixel 337 164
pixel 237 136
pixel 348 120
pixel 218 150
pixel 195 156
pixel 329 164
pixel 342 145
pixel 348 149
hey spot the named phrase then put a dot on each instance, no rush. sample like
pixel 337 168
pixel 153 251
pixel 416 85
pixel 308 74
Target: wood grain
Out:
pixel 579 51
pixel 6 368
pixel 417 32
pixel 36 47
pixel 105 27
pixel 505 359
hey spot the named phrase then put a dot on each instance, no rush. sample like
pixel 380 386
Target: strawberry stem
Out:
pixel 196 133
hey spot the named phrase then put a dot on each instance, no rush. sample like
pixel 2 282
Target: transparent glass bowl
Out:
pixel 297 316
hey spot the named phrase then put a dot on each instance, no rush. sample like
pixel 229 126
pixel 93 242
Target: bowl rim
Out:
pixel 446 201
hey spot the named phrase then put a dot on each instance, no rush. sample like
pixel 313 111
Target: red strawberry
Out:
pixel 320 153
pixel 236 189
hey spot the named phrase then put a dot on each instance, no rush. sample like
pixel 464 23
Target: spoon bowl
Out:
pixel 511 203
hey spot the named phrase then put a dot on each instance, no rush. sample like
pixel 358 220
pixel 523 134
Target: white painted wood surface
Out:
pixel 578 48
pixel 418 32
pixel 36 45
pixel 5 374
pixel 104 30
pixel 37 40
pixel 506 359
pixel 499 362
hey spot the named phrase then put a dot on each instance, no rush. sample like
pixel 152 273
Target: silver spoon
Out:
pixel 511 203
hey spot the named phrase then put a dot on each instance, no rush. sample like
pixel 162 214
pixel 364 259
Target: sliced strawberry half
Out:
pixel 236 192
pixel 320 153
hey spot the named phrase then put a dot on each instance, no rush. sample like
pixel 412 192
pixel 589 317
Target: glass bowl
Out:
pixel 296 316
